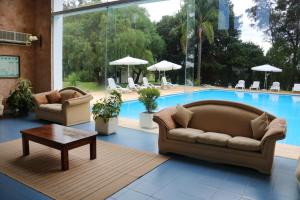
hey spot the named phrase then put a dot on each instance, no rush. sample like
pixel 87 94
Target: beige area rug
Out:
pixel 114 168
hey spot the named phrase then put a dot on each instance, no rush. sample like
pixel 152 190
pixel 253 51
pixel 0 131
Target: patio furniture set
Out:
pixel 135 87
pixel 274 87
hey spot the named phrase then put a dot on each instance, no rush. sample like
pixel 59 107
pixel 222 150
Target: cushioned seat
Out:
pixel 217 139
pixel 184 134
pixel 55 107
pixel 243 143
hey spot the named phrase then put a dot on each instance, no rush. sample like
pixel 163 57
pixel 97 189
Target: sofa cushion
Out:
pixel 211 138
pixel 259 126
pixel 41 99
pixel 68 94
pixel 184 134
pixel 53 97
pixel 51 107
pixel 182 116
pixel 244 143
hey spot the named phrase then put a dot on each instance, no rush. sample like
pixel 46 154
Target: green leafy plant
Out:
pixel 73 78
pixel 20 100
pixel 148 97
pixel 108 107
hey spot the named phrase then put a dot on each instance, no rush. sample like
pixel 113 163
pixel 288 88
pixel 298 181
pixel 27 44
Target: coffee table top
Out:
pixel 59 134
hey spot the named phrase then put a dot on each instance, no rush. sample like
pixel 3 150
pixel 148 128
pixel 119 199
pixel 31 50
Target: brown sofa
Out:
pixel 70 112
pixel 220 131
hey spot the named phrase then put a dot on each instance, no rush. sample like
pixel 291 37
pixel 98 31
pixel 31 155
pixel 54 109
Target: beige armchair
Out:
pixel 69 112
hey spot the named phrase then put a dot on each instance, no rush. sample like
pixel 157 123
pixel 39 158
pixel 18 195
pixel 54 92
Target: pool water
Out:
pixel 283 106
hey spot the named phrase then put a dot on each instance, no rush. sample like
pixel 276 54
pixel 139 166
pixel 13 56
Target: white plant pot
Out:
pixel 106 128
pixel 146 121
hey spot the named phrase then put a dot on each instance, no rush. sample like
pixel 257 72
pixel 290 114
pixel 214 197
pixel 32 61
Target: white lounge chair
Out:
pixel 165 83
pixel 113 86
pixel 275 86
pixel 133 86
pixel 240 85
pixel 255 85
pixel 296 87
pixel 147 84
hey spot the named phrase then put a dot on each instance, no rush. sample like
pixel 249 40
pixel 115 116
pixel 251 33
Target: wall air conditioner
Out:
pixel 11 37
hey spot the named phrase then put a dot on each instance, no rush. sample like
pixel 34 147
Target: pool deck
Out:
pixel 282 150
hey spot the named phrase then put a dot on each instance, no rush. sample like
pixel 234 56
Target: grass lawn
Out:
pixel 87 86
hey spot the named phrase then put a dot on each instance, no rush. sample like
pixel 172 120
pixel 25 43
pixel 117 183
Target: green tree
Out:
pixel 283 30
pixel 206 15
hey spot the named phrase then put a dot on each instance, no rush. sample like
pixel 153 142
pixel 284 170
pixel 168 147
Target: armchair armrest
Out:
pixel 79 100
pixel 276 131
pixel 165 119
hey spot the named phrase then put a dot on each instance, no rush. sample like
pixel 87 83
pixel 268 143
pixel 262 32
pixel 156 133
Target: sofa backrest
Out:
pixel 224 117
pixel 72 90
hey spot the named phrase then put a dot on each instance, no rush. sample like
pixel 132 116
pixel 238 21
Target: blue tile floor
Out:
pixel 179 178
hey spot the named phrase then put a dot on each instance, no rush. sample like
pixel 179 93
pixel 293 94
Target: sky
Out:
pixel 159 9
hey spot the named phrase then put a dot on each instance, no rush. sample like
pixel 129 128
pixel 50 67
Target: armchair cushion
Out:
pixel 244 143
pixel 54 97
pixel 40 99
pixel 184 134
pixel 68 94
pixel 259 126
pixel 217 139
pixel 182 116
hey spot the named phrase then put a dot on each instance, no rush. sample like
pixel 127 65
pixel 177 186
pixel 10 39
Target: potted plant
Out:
pixel 105 113
pixel 148 97
pixel 20 100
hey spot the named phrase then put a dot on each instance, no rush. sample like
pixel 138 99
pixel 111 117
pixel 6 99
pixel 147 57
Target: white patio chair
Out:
pixel 275 86
pixel 146 84
pixel 113 86
pixel 240 85
pixel 255 85
pixel 296 87
pixel 165 83
pixel 133 86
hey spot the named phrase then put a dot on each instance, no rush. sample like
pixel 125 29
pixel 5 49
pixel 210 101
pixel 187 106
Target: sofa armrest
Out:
pixel 164 118
pixel 76 101
pixel 276 131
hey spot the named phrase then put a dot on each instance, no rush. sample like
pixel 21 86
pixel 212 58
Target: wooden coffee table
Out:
pixel 61 138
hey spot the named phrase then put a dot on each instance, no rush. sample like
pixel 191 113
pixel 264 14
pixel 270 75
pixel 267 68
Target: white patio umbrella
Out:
pixel 266 68
pixel 129 61
pixel 164 66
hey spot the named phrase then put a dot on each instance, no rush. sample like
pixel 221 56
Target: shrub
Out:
pixel 20 100
pixel 148 97
pixel 73 78
pixel 86 76
pixel 108 107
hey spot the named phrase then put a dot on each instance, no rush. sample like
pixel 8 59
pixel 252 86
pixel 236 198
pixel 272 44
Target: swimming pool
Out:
pixel 284 106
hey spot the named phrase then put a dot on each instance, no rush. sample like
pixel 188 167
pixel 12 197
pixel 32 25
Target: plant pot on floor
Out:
pixel 107 128
pixel 146 121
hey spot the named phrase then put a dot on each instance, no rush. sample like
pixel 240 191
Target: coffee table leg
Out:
pixel 93 153
pixel 25 143
pixel 64 159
